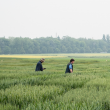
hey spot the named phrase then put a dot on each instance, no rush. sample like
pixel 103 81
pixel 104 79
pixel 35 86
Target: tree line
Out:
pixel 53 45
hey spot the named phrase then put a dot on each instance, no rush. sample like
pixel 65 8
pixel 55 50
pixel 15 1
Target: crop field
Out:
pixel 87 88
pixel 30 56
pixel 81 55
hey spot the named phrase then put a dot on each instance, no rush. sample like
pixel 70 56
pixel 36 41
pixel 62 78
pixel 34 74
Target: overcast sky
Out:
pixel 42 18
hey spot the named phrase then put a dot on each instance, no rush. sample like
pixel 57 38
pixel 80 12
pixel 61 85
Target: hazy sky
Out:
pixel 42 18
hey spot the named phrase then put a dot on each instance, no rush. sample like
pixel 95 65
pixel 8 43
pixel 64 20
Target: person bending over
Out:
pixel 39 66
pixel 69 68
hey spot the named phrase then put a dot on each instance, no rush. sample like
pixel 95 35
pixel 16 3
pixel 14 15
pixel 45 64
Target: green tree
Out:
pixel 76 50
pixel 36 50
pixel 82 50
pixel 94 50
pixel 13 51
pixel 104 49
pixel 63 49
pixel 7 50
pixel 108 51
pixel 0 51
pixel 44 50
pixel 57 50
pixel 108 38
pixel 50 50
pixel 104 38
pixel 22 51
pixel 53 45
pixel 82 44
pixel 99 50
pixel 69 49
pixel 87 49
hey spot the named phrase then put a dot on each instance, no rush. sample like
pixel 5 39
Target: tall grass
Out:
pixel 87 88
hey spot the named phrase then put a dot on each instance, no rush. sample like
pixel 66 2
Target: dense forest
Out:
pixel 53 45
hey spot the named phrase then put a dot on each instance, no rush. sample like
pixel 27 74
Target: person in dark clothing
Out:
pixel 69 68
pixel 39 66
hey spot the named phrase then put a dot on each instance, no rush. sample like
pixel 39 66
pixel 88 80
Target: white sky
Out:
pixel 42 18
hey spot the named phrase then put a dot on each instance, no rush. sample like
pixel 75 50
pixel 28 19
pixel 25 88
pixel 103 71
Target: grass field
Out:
pixel 87 88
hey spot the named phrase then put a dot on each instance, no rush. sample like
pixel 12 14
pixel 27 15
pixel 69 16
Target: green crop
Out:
pixel 87 88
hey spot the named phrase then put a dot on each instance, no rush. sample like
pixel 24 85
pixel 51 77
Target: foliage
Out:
pixel 53 45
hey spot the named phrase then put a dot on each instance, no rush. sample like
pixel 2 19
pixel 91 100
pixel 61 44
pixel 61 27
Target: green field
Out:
pixel 87 88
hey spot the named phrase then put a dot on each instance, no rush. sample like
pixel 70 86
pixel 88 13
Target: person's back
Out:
pixel 39 66
pixel 69 68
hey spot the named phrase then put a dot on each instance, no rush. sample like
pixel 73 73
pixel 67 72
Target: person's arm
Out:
pixel 71 70
pixel 41 67
pixel 70 67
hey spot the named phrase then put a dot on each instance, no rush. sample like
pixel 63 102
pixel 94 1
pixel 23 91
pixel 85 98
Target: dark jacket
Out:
pixel 39 66
pixel 67 68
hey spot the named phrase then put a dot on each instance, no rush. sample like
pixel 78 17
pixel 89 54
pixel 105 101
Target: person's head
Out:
pixel 72 61
pixel 42 60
